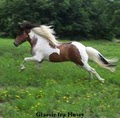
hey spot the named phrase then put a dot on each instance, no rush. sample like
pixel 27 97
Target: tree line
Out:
pixel 98 19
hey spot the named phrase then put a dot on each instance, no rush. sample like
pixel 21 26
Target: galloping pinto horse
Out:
pixel 44 46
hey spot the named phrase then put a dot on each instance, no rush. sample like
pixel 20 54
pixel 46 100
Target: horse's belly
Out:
pixel 55 57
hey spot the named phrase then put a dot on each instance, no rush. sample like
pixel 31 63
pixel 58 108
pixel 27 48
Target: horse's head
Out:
pixel 23 32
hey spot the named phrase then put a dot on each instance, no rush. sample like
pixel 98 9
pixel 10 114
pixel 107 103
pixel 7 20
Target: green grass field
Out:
pixel 57 88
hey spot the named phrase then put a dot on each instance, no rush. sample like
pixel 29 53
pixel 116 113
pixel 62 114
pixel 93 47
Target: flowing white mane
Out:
pixel 47 32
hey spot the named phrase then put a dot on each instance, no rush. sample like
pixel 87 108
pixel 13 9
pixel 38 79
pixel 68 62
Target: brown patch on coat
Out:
pixel 68 52
pixel 32 42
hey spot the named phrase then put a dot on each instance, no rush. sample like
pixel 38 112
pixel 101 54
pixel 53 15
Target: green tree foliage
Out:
pixel 71 18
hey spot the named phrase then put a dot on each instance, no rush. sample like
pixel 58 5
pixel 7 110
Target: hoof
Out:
pixel 22 67
pixel 87 78
pixel 102 80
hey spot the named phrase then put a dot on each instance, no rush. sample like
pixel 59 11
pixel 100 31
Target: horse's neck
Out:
pixel 36 39
pixel 32 42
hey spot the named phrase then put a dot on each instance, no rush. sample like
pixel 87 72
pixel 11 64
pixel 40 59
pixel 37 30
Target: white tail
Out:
pixel 101 60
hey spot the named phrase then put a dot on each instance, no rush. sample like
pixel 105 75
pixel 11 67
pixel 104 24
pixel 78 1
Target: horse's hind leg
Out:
pixel 93 71
pixel 90 75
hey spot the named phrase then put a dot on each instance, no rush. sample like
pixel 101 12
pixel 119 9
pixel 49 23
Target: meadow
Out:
pixel 57 88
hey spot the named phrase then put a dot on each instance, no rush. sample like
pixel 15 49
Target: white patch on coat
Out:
pixel 82 51
pixel 42 46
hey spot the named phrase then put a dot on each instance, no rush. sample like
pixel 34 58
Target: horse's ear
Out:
pixel 20 24
pixel 25 21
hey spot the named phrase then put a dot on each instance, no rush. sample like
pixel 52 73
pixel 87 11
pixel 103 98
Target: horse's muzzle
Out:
pixel 15 44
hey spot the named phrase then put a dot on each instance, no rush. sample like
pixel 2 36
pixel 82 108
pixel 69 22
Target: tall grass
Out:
pixel 57 87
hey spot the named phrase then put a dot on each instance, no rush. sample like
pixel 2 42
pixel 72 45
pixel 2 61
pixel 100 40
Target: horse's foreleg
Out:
pixel 34 58
pixel 22 67
pixel 93 71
